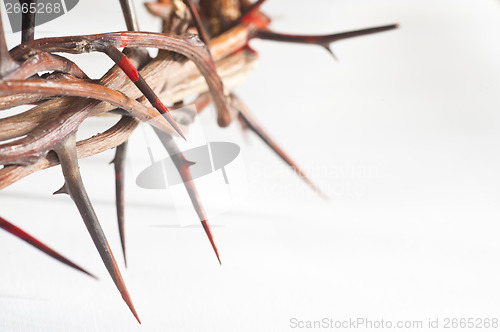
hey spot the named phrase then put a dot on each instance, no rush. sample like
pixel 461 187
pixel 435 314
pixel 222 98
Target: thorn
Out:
pixel 66 152
pixel 130 16
pixel 16 231
pixel 119 162
pixel 244 129
pixel 133 74
pixel 62 190
pixel 254 126
pixel 321 40
pixel 185 162
pixel 182 166
pixel 206 227
pixel 121 284
pixel 329 50
pixel 174 124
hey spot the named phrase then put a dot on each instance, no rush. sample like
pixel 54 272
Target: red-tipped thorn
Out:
pixel 321 40
pixel 174 124
pixel 182 166
pixel 16 231
pixel 252 124
pixel 118 279
pixel 131 71
pixel 66 152
pixel 207 229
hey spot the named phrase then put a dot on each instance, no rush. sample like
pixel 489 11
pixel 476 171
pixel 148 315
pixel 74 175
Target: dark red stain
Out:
pixel 129 68
pixel 23 235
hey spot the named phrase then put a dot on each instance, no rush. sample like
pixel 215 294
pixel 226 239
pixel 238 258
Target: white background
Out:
pixel 402 134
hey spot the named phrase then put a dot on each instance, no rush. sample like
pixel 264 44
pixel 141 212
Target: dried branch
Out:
pixel 80 89
pixel 251 123
pixel 114 136
pixel 39 61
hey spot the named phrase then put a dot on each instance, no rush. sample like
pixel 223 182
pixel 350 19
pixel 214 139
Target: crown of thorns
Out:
pixel 203 50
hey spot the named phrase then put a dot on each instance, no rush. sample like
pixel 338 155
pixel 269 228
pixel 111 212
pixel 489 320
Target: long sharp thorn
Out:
pixel 28 21
pixel 183 167
pixel 250 122
pixel 126 65
pixel 208 231
pixel 321 40
pixel 170 119
pixel 119 162
pixel 61 191
pixel 66 151
pixel 130 16
pixel 16 231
